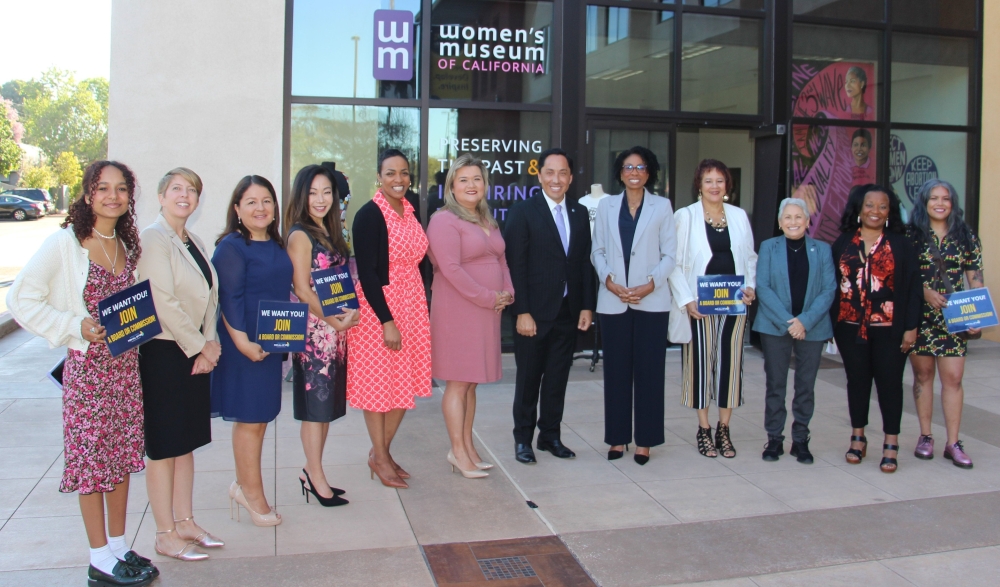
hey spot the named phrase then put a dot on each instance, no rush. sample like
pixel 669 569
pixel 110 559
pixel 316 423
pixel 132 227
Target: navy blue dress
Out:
pixel 244 390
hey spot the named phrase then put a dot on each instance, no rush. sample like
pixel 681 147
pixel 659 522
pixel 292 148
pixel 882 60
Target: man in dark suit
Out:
pixel 548 253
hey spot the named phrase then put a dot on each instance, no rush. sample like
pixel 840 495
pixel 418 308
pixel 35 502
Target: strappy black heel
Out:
pixel 889 464
pixel 723 442
pixel 326 502
pixel 857 454
pixel 705 445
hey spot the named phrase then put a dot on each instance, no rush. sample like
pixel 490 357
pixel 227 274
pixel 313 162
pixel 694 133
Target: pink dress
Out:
pixel 102 402
pixel 469 267
pixel 378 379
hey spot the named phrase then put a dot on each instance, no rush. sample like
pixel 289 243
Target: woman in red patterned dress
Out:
pixel 389 351
pixel 56 297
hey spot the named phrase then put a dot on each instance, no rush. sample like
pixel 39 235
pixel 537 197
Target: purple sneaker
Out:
pixel 925 447
pixel 956 453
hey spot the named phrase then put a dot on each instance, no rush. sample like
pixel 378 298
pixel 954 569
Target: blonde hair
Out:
pixel 184 172
pixel 482 216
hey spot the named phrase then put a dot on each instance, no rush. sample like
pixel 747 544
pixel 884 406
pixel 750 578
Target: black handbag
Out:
pixel 942 274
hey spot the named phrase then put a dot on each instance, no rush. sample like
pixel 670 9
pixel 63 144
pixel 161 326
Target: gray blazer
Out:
pixel 775 295
pixel 653 253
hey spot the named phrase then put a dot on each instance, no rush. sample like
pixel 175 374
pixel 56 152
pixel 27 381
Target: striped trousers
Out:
pixel 713 362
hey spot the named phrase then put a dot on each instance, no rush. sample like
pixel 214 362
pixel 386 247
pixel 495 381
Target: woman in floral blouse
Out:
pixel 940 235
pixel 876 312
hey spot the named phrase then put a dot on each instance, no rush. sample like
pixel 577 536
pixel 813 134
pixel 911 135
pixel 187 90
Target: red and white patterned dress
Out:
pixel 102 402
pixel 379 380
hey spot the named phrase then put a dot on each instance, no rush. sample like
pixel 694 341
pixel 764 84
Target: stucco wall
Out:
pixel 989 211
pixel 197 83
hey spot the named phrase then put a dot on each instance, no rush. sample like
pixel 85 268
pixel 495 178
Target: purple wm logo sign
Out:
pixel 392 49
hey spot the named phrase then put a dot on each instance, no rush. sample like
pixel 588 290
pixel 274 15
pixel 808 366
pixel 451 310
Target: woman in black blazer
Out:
pixel 875 313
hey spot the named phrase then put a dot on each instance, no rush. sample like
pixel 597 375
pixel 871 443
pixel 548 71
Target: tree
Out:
pixel 66 169
pixel 63 115
pixel 37 176
pixel 10 153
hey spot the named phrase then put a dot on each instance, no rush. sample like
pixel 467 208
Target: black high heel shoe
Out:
pixel 327 502
pixel 332 488
pixel 617 454
pixel 641 459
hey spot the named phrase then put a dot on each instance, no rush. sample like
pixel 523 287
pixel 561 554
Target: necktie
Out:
pixel 561 227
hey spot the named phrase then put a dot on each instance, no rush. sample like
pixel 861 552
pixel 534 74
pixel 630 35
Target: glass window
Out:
pixel 507 141
pixel 335 53
pixel 744 4
pixel 491 51
pixel 930 79
pixel 948 14
pixel 352 137
pixel 827 161
pixel 835 72
pixel 918 155
pixel 847 9
pixel 732 147
pixel 609 143
pixel 635 71
pixel 720 64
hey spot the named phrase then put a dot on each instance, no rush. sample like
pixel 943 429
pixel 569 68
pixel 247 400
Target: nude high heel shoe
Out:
pixel 271 518
pixel 474 474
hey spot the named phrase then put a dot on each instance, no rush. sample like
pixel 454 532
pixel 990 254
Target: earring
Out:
pixel 378 184
pixel 887 223
pixel 239 220
pixel 859 219
pixel 699 196
pixel 725 198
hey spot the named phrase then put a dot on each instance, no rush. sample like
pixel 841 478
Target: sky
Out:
pixel 73 35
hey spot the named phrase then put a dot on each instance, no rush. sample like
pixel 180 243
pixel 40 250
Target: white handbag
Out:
pixel 679 328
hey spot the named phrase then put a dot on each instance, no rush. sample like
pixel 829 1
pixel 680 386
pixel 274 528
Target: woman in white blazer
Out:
pixel 633 253
pixel 713 238
pixel 175 366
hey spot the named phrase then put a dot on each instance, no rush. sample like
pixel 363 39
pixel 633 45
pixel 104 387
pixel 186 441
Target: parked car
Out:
pixel 20 208
pixel 36 194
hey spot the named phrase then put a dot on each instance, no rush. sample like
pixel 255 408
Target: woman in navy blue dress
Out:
pixel 246 385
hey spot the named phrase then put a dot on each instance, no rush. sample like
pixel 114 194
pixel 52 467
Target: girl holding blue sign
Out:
pixel 56 297
pixel 948 250
pixel 319 394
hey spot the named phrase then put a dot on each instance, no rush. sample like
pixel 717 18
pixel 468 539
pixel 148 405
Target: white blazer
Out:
pixel 652 254
pixel 47 295
pixel 693 255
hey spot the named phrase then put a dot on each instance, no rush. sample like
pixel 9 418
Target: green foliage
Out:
pixel 10 153
pixel 63 115
pixel 67 170
pixel 37 176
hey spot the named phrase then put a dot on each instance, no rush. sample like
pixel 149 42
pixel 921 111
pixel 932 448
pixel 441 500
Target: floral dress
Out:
pixel 933 338
pixel 102 402
pixel 866 285
pixel 319 392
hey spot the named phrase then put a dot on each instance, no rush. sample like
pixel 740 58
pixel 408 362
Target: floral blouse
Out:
pixel 866 284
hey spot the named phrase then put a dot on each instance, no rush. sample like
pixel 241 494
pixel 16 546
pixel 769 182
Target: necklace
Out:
pixel 718 226
pixel 114 233
pixel 794 250
pixel 107 256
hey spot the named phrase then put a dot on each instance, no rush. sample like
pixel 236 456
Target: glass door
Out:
pixel 607 139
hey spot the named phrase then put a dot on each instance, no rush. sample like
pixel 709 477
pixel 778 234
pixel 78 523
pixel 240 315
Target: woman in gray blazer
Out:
pixel 795 286
pixel 633 253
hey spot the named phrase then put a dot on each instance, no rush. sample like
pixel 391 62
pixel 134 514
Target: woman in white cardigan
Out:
pixel 713 238
pixel 56 297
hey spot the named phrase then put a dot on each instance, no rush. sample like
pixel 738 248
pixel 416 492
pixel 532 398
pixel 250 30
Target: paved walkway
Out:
pixel 680 519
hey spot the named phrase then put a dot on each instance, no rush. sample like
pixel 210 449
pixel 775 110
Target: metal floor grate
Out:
pixel 508 567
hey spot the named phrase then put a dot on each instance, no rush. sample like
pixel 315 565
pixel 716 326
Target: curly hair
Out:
pixel 704 167
pixel 647 156
pixel 849 221
pixel 81 214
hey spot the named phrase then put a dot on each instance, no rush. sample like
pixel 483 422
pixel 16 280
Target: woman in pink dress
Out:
pixel 389 351
pixel 471 288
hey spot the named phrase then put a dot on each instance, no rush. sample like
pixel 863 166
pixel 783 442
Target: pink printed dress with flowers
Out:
pixel 102 402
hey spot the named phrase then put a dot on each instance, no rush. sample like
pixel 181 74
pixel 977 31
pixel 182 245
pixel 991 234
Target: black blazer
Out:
pixel 908 291
pixel 371 253
pixel 540 269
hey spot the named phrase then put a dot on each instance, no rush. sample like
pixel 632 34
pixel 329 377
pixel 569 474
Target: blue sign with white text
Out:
pixel 129 317
pixel 721 294
pixel 281 326
pixel 335 289
pixel 969 309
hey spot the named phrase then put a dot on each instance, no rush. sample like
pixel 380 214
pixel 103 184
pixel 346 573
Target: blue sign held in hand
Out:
pixel 721 294
pixel 335 289
pixel 969 309
pixel 129 317
pixel 281 326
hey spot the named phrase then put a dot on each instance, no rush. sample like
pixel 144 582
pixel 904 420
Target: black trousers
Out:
pixel 635 355
pixel 777 359
pixel 543 363
pixel 880 361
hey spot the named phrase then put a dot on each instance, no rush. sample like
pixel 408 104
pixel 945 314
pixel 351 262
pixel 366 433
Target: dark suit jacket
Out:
pixel 540 269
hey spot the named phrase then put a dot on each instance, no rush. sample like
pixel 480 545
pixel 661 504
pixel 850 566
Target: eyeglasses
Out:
pixel 631 168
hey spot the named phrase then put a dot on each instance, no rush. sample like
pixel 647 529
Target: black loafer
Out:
pixel 140 562
pixel 123 574
pixel 557 448
pixel 524 454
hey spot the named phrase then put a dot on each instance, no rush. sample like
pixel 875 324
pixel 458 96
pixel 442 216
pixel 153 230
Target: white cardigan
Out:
pixel 693 255
pixel 47 296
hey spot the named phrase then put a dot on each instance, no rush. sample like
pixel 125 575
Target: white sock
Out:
pixel 118 546
pixel 103 559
